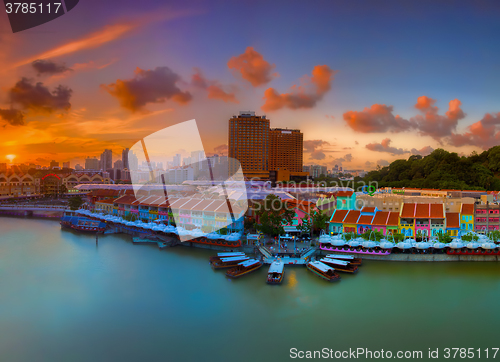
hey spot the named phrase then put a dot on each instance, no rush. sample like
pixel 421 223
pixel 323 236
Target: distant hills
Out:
pixel 442 170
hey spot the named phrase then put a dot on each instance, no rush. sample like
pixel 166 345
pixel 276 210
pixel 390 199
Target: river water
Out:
pixel 64 299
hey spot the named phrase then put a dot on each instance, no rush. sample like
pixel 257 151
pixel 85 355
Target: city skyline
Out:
pixel 359 100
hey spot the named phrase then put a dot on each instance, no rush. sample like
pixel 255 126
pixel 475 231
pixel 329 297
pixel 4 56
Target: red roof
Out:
pixel 365 219
pixel 338 216
pixel 126 200
pixel 393 219
pixel 423 211
pixel 368 209
pixel 408 211
pixel 380 218
pixel 437 211
pixel 467 209
pixel 452 220
pixel 352 217
pixel 345 193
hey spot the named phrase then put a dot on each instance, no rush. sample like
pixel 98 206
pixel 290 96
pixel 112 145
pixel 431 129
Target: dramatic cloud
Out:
pixel 37 97
pixel 423 151
pixel 383 163
pixel 252 67
pixel 13 116
pixel 348 157
pixel 484 133
pixel 311 145
pixel 431 123
pixel 369 164
pixel 222 149
pixel 303 96
pixel 378 118
pixel 49 67
pixel 214 88
pixel 148 86
pixel 317 155
pixel 385 146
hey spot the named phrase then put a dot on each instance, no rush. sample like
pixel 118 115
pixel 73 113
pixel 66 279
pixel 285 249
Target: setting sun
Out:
pixel 10 157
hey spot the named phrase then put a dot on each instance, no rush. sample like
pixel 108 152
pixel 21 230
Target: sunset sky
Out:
pixel 367 82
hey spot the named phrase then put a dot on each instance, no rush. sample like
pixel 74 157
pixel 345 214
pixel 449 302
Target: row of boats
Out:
pixel 239 264
pixel 337 243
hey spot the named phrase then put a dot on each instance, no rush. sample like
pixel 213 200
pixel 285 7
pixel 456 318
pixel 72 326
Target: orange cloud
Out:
pixel 304 96
pixel 214 88
pixel 377 118
pixel 98 38
pixel 148 86
pixel 431 123
pixel 484 133
pixel 252 67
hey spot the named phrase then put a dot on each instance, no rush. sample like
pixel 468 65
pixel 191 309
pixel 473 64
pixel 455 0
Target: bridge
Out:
pixel 33 210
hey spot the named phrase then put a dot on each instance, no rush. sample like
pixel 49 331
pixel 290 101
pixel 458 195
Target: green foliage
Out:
pixel 442 170
pixel 444 238
pixel 470 237
pixel 130 217
pixel 319 220
pixel 306 225
pixel 75 202
pixel 398 237
pixel 273 213
pixel 494 235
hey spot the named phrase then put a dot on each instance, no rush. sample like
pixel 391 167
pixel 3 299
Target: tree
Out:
pixel 319 220
pixel 273 214
pixel 305 226
pixel 75 202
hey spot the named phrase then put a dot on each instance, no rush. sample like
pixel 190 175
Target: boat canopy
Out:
pixel 335 261
pixel 338 256
pixel 321 266
pixel 234 258
pixel 276 267
pixel 249 262
pixel 227 255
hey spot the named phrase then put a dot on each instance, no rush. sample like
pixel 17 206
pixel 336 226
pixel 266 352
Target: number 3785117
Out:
pixel 32 8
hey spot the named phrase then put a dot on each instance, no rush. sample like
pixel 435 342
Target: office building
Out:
pixel 91 163
pixel 106 160
pixel 285 149
pixel 249 144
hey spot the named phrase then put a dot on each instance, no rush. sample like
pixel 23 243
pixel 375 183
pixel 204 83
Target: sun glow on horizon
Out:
pixel 10 157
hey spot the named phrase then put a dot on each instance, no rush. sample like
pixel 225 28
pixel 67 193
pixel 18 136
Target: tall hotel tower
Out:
pixel 249 144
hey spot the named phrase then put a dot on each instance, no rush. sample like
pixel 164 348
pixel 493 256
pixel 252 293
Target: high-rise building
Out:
pixel 66 165
pixel 249 144
pixel 133 162
pixel 125 158
pixel 177 160
pixel 54 164
pixel 285 149
pixel 91 163
pixel 118 165
pixel 106 160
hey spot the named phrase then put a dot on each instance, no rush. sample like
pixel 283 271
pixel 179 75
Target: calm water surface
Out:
pixel 64 299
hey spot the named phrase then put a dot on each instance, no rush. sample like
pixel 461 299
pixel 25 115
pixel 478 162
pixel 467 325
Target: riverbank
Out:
pixel 419 257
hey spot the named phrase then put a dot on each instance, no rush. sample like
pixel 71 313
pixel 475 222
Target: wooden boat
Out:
pixel 243 268
pixel 228 262
pixel 351 259
pixel 323 271
pixel 276 272
pixel 226 255
pixel 340 265
pixel 83 224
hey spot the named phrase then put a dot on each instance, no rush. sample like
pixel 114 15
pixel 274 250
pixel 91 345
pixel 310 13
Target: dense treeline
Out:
pixel 442 170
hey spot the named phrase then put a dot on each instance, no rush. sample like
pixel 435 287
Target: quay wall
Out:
pixel 419 257
pixel 33 213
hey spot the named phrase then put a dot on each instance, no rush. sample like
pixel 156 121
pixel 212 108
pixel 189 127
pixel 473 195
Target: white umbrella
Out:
pixel 404 245
pixel 488 246
pixel 423 245
pixel 456 244
pixel 386 244
pixel 369 244
pixel 354 243
pixel 325 239
pixel 338 242
pixel 473 245
pixel 438 245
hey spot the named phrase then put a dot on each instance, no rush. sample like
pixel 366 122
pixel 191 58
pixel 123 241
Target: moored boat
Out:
pixel 83 224
pixel 351 259
pixel 276 272
pixel 243 268
pixel 323 271
pixel 340 265
pixel 228 262
pixel 226 255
